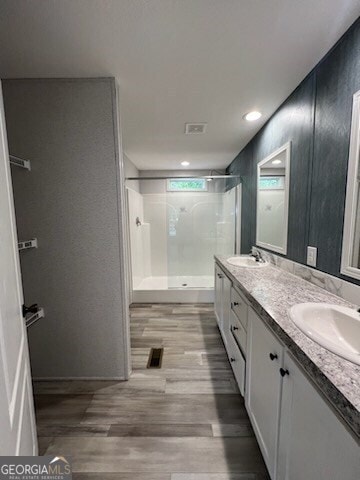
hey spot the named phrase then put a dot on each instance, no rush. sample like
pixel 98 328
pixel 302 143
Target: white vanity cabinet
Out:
pixel 231 329
pixel 300 436
pixel 263 387
pixel 313 442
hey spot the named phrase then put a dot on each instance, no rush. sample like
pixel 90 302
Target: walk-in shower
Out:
pixel 176 225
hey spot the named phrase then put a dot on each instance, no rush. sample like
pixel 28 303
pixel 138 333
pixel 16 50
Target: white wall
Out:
pixel 192 237
pixel 187 229
pixel 131 171
pixel 139 239
pixel 155 214
pixel 158 203
pixel 226 223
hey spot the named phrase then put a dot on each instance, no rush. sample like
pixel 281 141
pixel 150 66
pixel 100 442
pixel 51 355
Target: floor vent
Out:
pixel 155 358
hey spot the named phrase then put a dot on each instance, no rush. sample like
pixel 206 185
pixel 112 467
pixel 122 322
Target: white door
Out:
pixel 226 307
pixel 263 387
pixel 219 295
pixel 313 441
pixel 17 422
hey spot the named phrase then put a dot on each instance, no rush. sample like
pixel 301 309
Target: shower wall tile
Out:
pixel 186 229
pixel 146 248
pixel 137 236
pixel 155 215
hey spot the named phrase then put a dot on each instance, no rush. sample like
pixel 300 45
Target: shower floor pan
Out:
pixel 182 289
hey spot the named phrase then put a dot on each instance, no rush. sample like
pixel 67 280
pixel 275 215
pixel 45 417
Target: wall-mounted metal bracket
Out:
pixel 26 244
pixel 20 162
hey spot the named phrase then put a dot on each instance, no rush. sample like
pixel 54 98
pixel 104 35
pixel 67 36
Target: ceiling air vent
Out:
pixel 195 128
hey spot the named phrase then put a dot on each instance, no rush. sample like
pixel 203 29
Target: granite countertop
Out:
pixel 271 292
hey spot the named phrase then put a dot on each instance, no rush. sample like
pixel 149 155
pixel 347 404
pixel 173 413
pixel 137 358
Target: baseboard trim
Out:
pixel 49 379
pixel 174 296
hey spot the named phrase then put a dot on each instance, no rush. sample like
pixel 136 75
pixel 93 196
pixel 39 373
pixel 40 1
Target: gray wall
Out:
pixel 316 119
pixel 130 170
pixel 69 201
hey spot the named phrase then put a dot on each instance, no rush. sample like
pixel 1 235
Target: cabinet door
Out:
pixel 239 306
pixel 237 362
pixel 218 294
pixel 263 387
pixel 238 331
pixel 313 443
pixel 226 309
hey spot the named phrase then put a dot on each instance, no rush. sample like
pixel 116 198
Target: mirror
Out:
pixel 273 200
pixel 350 260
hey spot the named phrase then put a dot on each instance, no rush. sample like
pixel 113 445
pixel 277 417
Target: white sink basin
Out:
pixel 335 328
pixel 246 261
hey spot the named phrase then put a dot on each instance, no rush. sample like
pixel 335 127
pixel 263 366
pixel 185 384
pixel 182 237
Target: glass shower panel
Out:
pixel 226 226
pixel 175 228
pixel 199 224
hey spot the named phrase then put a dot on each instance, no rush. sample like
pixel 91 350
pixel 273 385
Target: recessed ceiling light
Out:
pixel 252 116
pixel 185 163
pixel 276 162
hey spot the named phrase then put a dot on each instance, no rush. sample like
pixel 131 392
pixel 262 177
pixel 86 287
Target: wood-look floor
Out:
pixel 185 421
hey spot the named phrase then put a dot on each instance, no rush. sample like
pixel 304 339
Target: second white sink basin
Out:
pixel 246 261
pixel 333 327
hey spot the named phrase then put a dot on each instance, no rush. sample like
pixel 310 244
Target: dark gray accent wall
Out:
pixel 243 165
pixel 337 79
pixel 69 201
pixel 316 118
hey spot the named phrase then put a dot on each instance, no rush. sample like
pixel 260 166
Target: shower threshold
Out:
pixel 179 281
pixel 179 288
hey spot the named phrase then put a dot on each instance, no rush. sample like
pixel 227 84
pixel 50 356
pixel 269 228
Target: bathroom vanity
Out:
pixel 303 401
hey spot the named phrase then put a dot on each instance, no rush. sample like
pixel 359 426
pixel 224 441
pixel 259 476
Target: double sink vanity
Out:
pixel 295 353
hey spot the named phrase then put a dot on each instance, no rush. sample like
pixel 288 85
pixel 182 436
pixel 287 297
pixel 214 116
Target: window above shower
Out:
pixel 187 185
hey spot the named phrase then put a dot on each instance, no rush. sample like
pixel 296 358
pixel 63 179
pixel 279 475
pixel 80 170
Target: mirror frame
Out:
pixel 352 192
pixel 275 248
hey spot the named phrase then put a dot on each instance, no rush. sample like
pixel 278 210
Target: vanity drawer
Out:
pixel 238 330
pixel 237 362
pixel 239 307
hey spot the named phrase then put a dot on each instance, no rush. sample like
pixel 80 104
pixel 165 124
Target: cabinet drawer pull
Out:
pixel 284 372
pixel 273 356
pixel 232 359
pixel 235 328
pixel 220 275
pixel 236 304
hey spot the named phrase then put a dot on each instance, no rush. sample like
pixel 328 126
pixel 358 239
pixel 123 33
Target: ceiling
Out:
pixel 177 61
